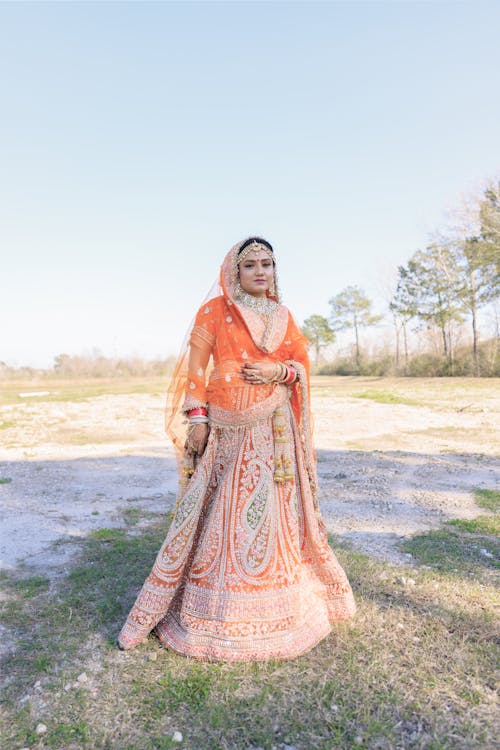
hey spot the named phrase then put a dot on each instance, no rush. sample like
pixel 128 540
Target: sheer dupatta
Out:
pixel 188 386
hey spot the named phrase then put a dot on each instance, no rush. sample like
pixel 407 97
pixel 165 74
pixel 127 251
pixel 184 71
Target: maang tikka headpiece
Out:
pixel 253 246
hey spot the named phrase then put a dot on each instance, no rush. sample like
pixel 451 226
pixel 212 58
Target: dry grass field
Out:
pixel 410 489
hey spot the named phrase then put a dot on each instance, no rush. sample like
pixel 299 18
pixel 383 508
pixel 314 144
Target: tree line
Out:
pixel 441 287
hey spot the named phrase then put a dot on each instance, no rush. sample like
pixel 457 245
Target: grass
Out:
pixel 79 389
pixel 32 586
pixel 5 480
pixel 447 393
pixel 385 397
pixel 467 547
pixel 488 525
pixel 489 499
pixel 439 394
pixel 132 515
pixel 453 553
pixel 413 669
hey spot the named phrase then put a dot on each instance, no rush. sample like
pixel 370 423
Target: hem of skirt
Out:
pixel 213 652
pixel 335 614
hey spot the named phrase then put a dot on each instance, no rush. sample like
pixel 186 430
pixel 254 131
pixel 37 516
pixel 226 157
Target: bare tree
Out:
pixel 431 291
pixel 352 309
pixel 319 333
pixel 403 307
pixel 475 243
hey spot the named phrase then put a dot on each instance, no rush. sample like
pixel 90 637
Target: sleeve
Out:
pixel 201 342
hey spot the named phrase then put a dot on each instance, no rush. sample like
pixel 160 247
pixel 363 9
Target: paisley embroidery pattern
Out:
pixel 245 571
pixel 256 507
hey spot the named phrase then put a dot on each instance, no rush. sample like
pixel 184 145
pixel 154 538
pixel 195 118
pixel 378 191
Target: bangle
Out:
pixel 198 411
pixel 291 375
pixel 282 372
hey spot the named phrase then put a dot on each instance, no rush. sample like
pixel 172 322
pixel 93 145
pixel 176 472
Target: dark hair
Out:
pixel 256 239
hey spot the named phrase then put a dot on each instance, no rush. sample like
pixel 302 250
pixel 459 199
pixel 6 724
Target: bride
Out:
pixel 245 571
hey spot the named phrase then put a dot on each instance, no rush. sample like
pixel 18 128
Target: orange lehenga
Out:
pixel 245 571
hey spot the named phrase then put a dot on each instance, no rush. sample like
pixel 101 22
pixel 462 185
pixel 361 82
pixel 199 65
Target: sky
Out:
pixel 139 141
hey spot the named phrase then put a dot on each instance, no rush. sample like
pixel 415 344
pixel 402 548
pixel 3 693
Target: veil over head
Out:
pixel 224 285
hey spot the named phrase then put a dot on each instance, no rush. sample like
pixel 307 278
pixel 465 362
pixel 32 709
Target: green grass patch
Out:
pixel 488 499
pixel 385 397
pixel 6 425
pixel 107 535
pixel 191 689
pixel 450 552
pixel 133 515
pixel 28 587
pixel 62 734
pixel 489 525
pixel 5 480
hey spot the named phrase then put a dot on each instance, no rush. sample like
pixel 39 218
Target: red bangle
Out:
pixel 291 375
pixel 201 410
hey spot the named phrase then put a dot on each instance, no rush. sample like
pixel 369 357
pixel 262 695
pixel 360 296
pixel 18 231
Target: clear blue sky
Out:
pixel 139 141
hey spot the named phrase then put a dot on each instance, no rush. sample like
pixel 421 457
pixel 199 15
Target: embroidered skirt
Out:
pixel 246 571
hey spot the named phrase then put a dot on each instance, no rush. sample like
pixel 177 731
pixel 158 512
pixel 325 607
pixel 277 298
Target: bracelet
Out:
pixel 283 374
pixel 291 375
pixel 198 410
pixel 198 420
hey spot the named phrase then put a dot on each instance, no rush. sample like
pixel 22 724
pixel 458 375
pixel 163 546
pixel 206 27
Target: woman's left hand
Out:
pixel 258 372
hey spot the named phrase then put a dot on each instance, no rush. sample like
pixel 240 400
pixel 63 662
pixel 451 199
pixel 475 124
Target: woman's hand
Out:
pixel 258 372
pixel 197 439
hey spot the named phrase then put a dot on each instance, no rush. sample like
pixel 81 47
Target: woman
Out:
pixel 245 572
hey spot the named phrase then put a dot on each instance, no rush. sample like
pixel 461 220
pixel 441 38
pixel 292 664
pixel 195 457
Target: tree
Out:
pixel 403 307
pixel 431 283
pixel 478 283
pixel 319 333
pixel 489 218
pixel 476 253
pixel 352 309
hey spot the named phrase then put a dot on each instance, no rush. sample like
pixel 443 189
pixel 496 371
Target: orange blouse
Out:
pixel 220 330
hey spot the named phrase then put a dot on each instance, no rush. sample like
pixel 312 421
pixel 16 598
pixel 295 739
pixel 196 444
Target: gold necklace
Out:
pixel 261 305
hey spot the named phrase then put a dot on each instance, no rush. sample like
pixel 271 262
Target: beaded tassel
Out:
pixel 283 471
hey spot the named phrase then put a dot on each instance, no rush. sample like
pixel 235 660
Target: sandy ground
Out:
pixel 385 470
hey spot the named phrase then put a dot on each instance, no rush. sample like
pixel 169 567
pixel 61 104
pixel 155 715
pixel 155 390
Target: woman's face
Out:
pixel 256 273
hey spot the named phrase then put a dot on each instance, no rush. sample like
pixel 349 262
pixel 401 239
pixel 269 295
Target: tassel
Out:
pixel 283 471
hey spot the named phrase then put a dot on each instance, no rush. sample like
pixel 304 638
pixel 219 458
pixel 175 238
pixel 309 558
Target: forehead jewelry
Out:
pixel 254 246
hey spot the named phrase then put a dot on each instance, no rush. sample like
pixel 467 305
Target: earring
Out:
pixel 272 288
pixel 238 291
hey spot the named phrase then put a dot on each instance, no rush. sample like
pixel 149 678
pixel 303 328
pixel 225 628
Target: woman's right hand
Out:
pixel 197 439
